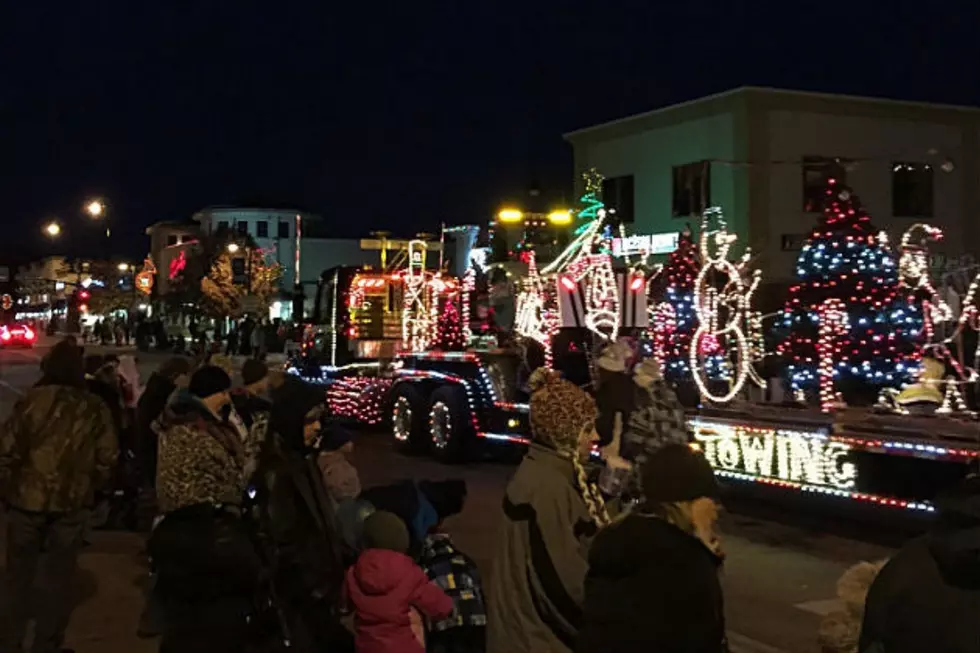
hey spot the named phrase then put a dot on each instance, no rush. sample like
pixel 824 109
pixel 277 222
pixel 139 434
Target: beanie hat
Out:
pixel 385 530
pixel 446 497
pixel 647 372
pixel 613 358
pixel 334 437
pixel 559 410
pixel 254 371
pixel 677 473
pixel 64 365
pixel 209 380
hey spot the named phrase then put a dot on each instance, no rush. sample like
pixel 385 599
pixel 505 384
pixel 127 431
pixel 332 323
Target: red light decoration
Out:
pixel 567 283
pixel 177 265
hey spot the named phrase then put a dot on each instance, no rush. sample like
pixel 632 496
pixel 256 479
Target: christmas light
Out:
pixel 735 296
pixel 833 327
pixel 846 258
pixel 469 287
pixel 775 453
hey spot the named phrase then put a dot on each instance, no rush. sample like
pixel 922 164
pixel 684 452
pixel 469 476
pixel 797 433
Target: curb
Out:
pixel 742 644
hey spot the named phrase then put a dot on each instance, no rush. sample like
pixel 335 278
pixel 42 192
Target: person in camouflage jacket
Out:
pixel 57 451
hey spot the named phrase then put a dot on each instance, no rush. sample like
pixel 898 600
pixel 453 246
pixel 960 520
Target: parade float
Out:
pixel 876 402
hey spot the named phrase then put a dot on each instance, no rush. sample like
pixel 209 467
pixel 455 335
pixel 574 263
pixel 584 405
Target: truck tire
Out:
pixel 450 426
pixel 408 425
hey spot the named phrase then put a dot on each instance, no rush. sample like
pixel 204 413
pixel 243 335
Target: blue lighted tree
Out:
pixel 847 258
pixel 676 324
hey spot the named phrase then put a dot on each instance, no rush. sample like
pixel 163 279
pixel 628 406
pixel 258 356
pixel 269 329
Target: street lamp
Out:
pixel 95 208
pixel 52 229
pixel 123 267
pixel 233 248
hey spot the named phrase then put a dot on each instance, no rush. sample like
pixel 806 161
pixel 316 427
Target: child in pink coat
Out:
pixel 389 592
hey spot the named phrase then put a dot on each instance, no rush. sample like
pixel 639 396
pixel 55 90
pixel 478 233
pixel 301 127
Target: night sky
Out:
pixel 398 115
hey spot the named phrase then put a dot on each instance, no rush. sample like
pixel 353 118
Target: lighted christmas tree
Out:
pixel 591 201
pixel 449 328
pixel 847 258
pixel 674 320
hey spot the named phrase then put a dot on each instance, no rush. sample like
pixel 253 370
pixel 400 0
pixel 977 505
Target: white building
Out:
pixel 761 154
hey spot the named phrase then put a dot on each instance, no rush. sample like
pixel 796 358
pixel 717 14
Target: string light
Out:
pixel 846 258
pixel 469 287
pixel 710 337
pixel 833 327
pixel 775 453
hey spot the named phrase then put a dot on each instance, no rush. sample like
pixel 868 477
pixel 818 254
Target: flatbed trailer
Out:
pixel 891 461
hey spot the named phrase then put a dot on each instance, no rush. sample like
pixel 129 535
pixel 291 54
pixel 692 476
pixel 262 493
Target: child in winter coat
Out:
pixel 390 593
pixel 339 475
pixel 456 573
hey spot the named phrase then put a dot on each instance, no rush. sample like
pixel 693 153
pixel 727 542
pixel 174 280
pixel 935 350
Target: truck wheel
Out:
pixel 450 428
pixel 407 418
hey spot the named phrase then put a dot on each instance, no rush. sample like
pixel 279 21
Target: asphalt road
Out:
pixel 779 577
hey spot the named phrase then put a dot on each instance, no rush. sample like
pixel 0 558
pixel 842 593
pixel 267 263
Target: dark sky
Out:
pixel 399 114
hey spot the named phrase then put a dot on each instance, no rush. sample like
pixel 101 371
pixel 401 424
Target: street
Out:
pixel 779 578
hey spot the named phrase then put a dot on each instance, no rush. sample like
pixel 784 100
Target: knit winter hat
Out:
pixel 254 371
pixel 614 357
pixel 647 372
pixel 209 380
pixel 677 473
pixel 559 410
pixel 385 530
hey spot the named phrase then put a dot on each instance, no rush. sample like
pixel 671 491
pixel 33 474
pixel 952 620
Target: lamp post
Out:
pixel 52 229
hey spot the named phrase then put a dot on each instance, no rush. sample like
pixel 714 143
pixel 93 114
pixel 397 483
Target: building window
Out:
pixel 617 194
pixel 262 228
pixel 816 171
pixel 172 239
pixel 283 229
pixel 912 190
pixel 692 188
pixel 242 228
pixel 222 225
pixel 238 270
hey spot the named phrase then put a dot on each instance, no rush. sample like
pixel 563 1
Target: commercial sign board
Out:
pixel 646 244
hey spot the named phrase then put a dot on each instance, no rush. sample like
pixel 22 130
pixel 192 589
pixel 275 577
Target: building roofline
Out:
pixel 763 92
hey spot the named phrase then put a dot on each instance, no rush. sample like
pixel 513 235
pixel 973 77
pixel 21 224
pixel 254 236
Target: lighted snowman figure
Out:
pixel 724 315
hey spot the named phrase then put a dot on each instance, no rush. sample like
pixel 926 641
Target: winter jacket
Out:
pixel 150 407
pixel 457 575
pixel 295 512
pixel 535 589
pixel 298 517
pixel 202 553
pixel 616 397
pixel 927 598
pixel 250 407
pixel 383 588
pixel 652 587
pixel 200 460
pixel 339 475
pixel 57 449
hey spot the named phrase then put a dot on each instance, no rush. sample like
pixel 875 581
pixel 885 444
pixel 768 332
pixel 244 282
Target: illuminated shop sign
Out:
pixel 794 456
pixel 648 244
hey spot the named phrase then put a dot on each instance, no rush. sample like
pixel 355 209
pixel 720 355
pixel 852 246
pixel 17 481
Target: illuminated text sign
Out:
pixel 648 244
pixel 806 457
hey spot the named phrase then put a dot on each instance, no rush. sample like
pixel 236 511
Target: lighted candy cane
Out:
pixel 535 319
pixel 736 295
pixel 833 326
pixel 664 324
